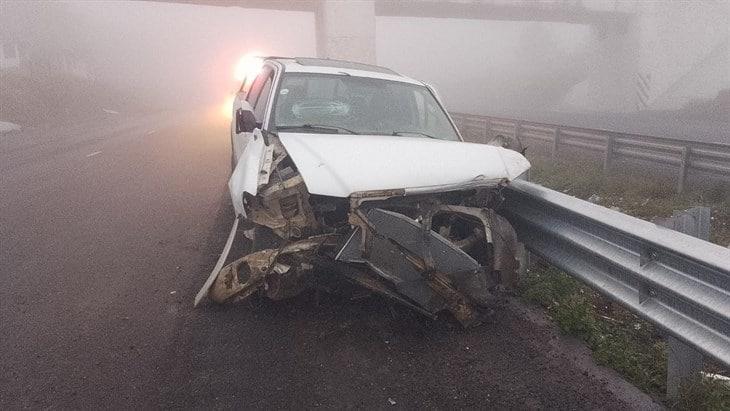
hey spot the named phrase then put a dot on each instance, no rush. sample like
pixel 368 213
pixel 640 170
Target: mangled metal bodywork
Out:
pixel 328 205
pixel 345 170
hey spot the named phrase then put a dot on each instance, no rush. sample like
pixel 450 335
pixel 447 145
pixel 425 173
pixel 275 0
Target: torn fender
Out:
pixel 250 170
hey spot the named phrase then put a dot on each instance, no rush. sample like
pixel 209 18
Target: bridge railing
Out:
pixel 685 156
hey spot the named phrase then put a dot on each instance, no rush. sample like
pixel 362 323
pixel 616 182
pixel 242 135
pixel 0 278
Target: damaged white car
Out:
pixel 352 170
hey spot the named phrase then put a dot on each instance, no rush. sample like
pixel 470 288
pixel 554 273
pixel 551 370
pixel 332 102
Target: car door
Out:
pixel 253 152
pixel 257 97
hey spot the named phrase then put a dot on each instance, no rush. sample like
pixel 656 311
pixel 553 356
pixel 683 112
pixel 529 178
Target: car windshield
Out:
pixel 343 104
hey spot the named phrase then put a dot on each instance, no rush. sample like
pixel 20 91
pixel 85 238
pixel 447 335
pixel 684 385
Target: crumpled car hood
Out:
pixel 339 165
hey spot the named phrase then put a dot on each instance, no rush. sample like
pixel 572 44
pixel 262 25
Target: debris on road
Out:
pixel 716 377
pixel 107 111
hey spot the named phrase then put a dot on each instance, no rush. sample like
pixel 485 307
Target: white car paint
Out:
pixel 245 177
pixel 338 165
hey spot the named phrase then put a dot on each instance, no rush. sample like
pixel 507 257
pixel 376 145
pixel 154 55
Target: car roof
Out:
pixel 329 66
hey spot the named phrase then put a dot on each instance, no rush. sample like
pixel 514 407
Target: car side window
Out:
pixel 255 90
pixel 420 109
pixel 259 107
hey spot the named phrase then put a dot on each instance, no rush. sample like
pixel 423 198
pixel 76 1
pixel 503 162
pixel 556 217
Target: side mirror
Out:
pixel 245 119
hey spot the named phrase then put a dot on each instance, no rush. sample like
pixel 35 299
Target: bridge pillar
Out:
pixel 612 68
pixel 659 55
pixel 346 30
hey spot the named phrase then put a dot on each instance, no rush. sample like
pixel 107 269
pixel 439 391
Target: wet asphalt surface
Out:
pixel 108 229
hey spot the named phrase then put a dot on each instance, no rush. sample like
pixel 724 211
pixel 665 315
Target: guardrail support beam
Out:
pixel 681 184
pixel 556 142
pixel 608 158
pixel 684 363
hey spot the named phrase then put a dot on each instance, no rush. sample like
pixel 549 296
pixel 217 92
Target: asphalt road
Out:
pixel 108 229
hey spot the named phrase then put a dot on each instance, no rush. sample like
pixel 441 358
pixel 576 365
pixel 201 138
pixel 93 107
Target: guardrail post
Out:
pixel 518 138
pixel 683 165
pixel 684 362
pixel 556 142
pixel 488 131
pixel 608 158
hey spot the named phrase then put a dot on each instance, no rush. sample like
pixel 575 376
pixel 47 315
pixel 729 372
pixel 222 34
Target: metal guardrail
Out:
pixel 675 281
pixel 686 156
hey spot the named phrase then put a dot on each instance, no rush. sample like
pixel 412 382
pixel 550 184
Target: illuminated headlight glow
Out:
pixel 227 107
pixel 248 66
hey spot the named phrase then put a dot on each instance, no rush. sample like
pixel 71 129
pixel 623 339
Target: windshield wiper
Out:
pixel 318 127
pixel 400 133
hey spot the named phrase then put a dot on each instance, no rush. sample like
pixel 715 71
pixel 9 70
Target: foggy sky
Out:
pixel 184 55
pixel 153 46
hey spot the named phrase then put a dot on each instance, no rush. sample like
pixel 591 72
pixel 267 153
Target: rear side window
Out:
pixel 259 107
pixel 257 86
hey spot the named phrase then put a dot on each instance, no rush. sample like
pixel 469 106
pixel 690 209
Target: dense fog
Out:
pixel 137 55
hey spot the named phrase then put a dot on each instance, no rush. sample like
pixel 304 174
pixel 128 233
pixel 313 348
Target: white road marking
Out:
pixel 93 154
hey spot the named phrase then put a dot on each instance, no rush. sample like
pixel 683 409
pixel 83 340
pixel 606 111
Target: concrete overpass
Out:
pixel 630 67
pixel 346 29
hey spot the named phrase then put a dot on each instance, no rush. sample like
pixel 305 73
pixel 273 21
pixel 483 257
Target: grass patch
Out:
pixel 619 339
pixel 637 194
pixel 703 394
